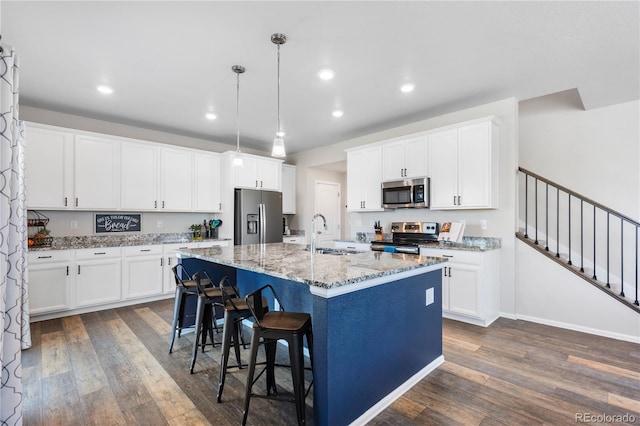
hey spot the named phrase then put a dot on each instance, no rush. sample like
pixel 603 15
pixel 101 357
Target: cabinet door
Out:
pixel 269 175
pixel 96 179
pixel 49 168
pixel 464 283
pixel 474 165
pixel 288 189
pixel 139 178
pixel 176 177
pixel 49 289
pixel 247 175
pixel 393 163
pixel 443 155
pixel 98 281
pixel 415 157
pixel 372 179
pixel 355 174
pixel 207 183
pixel 142 276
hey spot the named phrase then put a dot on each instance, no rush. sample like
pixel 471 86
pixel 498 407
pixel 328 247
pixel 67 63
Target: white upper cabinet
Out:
pixel 207 185
pixel 49 168
pixel 96 173
pixel 288 189
pixel 139 180
pixel 364 178
pixel 463 166
pixel 257 173
pixel 406 158
pixel 176 178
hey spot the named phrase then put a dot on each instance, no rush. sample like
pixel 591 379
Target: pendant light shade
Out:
pixel 278 142
pixel 237 159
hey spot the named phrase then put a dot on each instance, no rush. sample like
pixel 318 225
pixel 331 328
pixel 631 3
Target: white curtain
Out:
pixel 15 334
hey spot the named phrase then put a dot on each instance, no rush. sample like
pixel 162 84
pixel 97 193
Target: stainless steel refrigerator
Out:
pixel 258 217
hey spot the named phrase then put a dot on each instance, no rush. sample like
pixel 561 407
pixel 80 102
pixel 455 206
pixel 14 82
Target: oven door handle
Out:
pixel 410 250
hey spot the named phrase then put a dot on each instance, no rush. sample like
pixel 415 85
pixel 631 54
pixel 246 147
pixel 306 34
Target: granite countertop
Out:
pixel 95 241
pixel 295 263
pixel 467 244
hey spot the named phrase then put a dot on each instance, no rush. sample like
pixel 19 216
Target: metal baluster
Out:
pixel 557 222
pixel 526 205
pixel 569 262
pixel 546 219
pixel 621 258
pixel 608 241
pixel 594 243
pixel 536 211
pixel 581 235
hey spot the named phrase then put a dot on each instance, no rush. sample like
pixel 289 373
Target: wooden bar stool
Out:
pixel 208 299
pixel 235 310
pixel 269 327
pixel 184 288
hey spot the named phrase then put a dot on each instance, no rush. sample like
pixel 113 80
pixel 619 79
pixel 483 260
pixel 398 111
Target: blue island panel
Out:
pixel 367 342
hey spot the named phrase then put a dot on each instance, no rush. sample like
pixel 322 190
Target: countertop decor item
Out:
pixel 278 143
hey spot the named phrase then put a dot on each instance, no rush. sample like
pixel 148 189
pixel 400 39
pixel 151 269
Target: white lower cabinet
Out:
pixel 470 285
pixel 169 260
pixel 352 245
pixel 142 271
pixel 98 276
pixel 298 239
pixel 50 281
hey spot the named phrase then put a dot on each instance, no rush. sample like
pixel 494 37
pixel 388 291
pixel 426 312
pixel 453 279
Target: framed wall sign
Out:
pixel 113 223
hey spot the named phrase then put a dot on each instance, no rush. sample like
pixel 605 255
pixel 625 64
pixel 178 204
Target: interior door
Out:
pixel 327 202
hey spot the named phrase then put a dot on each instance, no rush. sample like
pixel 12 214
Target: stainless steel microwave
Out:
pixel 406 193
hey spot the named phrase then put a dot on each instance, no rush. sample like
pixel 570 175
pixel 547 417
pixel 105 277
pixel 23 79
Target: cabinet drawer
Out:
pixel 49 256
pixel 98 253
pixel 142 250
pixel 171 248
pixel 457 256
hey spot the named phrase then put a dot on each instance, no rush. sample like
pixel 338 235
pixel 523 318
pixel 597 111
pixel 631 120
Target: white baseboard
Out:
pixel 381 405
pixel 588 330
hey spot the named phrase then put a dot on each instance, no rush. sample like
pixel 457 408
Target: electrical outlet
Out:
pixel 73 224
pixel 159 224
pixel 430 297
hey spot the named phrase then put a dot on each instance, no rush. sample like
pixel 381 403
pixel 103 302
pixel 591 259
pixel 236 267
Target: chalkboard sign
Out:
pixel 108 223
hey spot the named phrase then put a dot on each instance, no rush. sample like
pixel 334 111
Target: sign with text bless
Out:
pixel 106 223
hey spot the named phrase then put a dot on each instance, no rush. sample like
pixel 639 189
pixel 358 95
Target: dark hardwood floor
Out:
pixel 112 368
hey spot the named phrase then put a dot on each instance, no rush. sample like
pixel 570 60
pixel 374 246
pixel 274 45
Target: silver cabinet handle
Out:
pixel 76 201
pixel 44 257
pixel 65 201
pixel 155 204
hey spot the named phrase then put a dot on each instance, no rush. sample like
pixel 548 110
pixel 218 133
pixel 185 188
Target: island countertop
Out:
pixel 326 271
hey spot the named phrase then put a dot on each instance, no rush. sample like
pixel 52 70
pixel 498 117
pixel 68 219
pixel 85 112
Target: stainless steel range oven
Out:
pixel 408 236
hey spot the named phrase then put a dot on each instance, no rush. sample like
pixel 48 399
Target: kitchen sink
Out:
pixel 334 251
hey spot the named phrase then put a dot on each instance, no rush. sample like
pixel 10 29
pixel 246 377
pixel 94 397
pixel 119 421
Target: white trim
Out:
pixel 381 405
pixel 350 288
pixel 588 330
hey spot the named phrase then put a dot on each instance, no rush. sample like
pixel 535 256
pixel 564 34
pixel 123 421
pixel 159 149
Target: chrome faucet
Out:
pixel 313 232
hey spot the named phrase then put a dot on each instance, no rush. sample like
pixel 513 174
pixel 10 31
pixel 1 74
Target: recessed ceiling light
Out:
pixel 326 74
pixel 105 89
pixel 211 116
pixel 406 88
pixel 337 113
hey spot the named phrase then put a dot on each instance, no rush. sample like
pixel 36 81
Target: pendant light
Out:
pixel 237 159
pixel 278 142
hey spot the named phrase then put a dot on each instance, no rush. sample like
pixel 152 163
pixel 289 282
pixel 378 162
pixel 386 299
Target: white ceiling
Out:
pixel 170 62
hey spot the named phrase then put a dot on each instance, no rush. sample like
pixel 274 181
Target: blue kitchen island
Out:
pixel 377 317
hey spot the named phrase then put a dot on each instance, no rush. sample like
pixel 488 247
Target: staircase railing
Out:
pixel 578 229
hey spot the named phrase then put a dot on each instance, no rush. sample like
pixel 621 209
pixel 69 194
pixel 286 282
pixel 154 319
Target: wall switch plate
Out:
pixel 430 297
pixel 159 224
pixel 73 224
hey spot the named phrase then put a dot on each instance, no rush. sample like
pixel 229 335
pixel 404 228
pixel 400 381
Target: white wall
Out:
pixel 597 154
pixel 549 294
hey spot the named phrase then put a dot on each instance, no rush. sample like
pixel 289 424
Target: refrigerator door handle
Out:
pixel 263 224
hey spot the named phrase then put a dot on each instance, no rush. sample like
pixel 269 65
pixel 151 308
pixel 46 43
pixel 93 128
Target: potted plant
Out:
pixel 196 228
